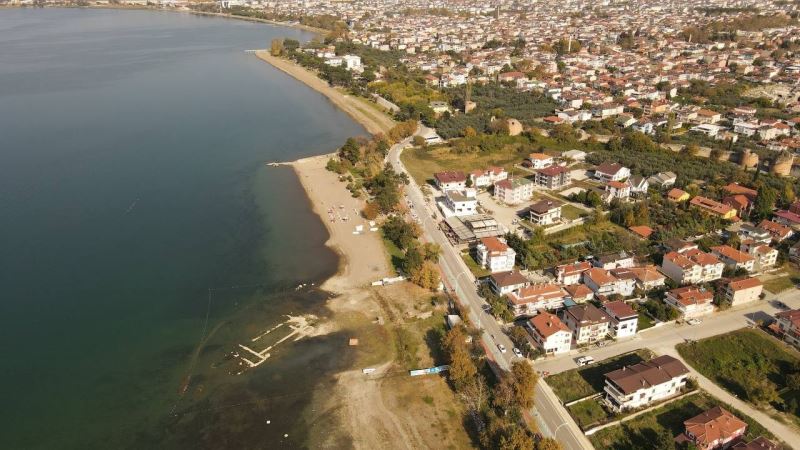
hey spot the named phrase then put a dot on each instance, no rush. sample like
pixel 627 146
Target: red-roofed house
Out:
pixel 624 320
pixel 789 325
pixel 530 300
pixel 743 290
pixel 712 429
pixel 550 333
pixel 690 301
pixel 495 255
pixel 452 180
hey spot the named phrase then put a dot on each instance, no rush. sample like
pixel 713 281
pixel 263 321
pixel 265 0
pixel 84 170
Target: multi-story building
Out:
pixel 546 212
pixel 764 256
pixel 459 203
pixel 743 290
pixel 550 334
pixel 452 180
pixel 690 301
pixel 494 254
pixel 530 300
pixel 484 178
pixel 539 160
pixel 553 177
pixel 513 191
pixel 644 383
pixel 713 207
pixel 503 283
pixel 732 258
pixel 789 325
pixel 692 266
pixel 624 320
pixel 588 324
pixel 568 274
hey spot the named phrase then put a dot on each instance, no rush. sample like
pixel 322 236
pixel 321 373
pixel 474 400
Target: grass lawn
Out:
pixel 588 413
pixel 394 254
pixel 422 163
pixel 476 270
pixel 578 383
pixel 645 322
pixel 571 212
pixel 642 431
pixel 738 359
pixel 790 278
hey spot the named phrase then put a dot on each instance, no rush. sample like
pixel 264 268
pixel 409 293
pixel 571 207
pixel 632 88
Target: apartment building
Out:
pixel 644 383
pixel 690 301
pixel 530 300
pixel 588 324
pixel 550 334
pixel 494 254
pixel 624 320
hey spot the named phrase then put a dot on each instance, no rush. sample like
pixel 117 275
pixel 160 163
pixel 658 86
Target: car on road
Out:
pixel 584 360
pixel 694 321
pixel 501 347
pixel 517 353
pixel 780 304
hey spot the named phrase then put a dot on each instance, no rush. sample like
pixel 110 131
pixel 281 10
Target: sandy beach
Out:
pixel 360 109
pixel 362 256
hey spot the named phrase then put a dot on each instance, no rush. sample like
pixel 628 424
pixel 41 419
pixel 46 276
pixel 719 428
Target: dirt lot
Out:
pixel 397 328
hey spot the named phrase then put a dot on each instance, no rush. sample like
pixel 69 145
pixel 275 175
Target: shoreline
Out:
pixel 368 116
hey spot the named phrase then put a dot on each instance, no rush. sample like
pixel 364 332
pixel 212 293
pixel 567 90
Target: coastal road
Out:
pixel 552 419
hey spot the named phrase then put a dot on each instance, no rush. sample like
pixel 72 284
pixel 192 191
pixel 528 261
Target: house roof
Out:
pixel 711 205
pixel 736 188
pixel 539 156
pixel 774 228
pixel 691 295
pixel 744 283
pixel 537 293
pixel 511 278
pixel 494 245
pixel 641 230
pixel 588 314
pixel 599 276
pixel 450 177
pixel 759 443
pixel 731 253
pixel 553 171
pixel 620 310
pixel 609 168
pixel 547 324
pixel 657 371
pixel 577 267
pixel 714 425
pixel 789 216
pixel 675 193
pixel 579 290
pixel 544 206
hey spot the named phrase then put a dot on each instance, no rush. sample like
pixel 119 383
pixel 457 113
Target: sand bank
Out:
pixel 360 109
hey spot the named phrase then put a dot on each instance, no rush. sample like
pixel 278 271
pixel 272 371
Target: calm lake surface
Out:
pixel 142 238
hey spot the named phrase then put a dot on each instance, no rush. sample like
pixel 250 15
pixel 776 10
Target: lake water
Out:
pixel 142 237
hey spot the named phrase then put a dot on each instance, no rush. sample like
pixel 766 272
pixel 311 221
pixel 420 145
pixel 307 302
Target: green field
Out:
pixel 476 270
pixel 422 162
pixel 583 382
pixel 790 278
pixel 571 212
pixel 750 364
pixel 588 413
pixel 649 429
pixel 645 322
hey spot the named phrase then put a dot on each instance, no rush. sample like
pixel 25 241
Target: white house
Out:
pixel 503 283
pixel 539 160
pixel 732 258
pixel 495 255
pixel 588 324
pixel 513 191
pixel 550 334
pixel 453 180
pixel 692 266
pixel 624 320
pixel 546 212
pixel 690 301
pixel 611 172
pixel 459 203
pixel 485 178
pixel 743 290
pixel 569 274
pixel 352 62
pixel 530 300
pixel 644 383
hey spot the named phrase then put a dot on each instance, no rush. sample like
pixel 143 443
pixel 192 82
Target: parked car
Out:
pixel 781 305
pixel 694 321
pixel 517 353
pixel 584 360
pixel 501 347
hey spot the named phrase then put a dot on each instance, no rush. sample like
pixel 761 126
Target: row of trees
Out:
pixel 419 261
pixel 495 409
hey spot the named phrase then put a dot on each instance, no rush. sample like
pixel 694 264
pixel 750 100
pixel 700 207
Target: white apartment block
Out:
pixel 550 334
pixel 642 384
pixel 493 254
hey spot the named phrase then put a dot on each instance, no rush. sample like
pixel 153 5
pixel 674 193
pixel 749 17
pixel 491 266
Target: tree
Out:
pixel 426 276
pixel 515 438
pixel 548 444
pixel 525 380
pixel 765 202
pixel 412 263
pixel 400 232
pixel 664 440
pixel 371 211
pixel 276 47
pixel 462 371
pixel 351 150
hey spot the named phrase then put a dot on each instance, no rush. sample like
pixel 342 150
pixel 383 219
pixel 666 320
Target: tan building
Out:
pixel 743 290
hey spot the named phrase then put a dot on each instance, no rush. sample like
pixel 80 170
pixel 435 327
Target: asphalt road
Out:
pixel 551 417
